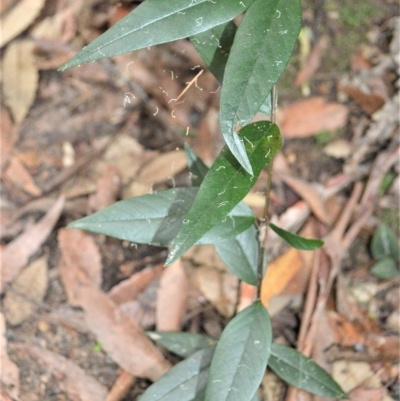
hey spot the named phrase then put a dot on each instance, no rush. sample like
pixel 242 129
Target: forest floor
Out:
pixel 73 143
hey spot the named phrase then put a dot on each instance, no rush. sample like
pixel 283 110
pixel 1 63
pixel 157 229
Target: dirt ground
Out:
pixel 73 143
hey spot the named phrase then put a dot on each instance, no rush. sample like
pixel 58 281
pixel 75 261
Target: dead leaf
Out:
pixel 17 173
pixel 369 102
pixel 108 186
pixel 368 394
pixel 15 255
pixel 171 297
pixel 9 372
pixel 310 116
pixel 339 149
pixel 121 386
pixel 19 18
pixel 7 137
pixel 31 283
pixel 279 273
pixel 121 338
pixel 20 76
pixel 70 377
pixel 163 167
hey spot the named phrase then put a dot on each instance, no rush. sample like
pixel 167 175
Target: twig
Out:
pixel 188 85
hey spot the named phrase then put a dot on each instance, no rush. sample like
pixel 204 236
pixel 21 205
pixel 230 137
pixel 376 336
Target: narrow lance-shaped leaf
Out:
pixel 158 21
pixel 198 170
pixel 155 218
pixel 240 254
pixel 241 356
pixel 261 50
pixel 184 382
pixel 181 343
pixel 214 47
pixel 226 184
pixel 295 241
pixel 299 371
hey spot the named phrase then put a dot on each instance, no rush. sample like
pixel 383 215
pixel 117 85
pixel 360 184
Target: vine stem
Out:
pixel 264 220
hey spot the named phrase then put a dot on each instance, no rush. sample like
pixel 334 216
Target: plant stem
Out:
pixel 265 218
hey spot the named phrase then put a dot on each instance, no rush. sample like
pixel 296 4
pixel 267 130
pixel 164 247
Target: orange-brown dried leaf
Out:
pixel 7 137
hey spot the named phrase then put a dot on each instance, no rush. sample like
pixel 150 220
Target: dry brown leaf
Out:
pixel 368 394
pixel 20 77
pixel 279 273
pixel 121 386
pixel 369 102
pixel 31 283
pixel 123 340
pixel 85 258
pixel 163 167
pixel 17 173
pixel 70 377
pixel 171 297
pixel 9 372
pixel 339 149
pixel 19 18
pixel 15 255
pixel 7 137
pixel 310 116
pixel 128 290
pixel 108 186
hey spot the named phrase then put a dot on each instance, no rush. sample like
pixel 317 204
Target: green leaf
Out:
pixel 299 371
pixel 384 243
pixel 240 254
pixel 182 344
pixel 241 356
pixel 261 50
pixel 158 21
pixel 295 241
pixel 197 168
pixel 214 46
pixel 155 219
pixel 385 268
pixel 184 382
pixel 226 184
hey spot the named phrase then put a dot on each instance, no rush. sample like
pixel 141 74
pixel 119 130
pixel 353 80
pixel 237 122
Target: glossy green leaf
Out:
pixel 295 241
pixel 158 21
pixel 241 356
pixel 299 371
pixel 261 50
pixel 156 218
pixel 385 268
pixel 240 254
pixel 198 170
pixel 226 184
pixel 184 382
pixel 181 343
pixel 384 243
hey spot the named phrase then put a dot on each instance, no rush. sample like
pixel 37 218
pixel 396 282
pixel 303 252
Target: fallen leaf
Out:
pixel 70 377
pixel 369 102
pixel 310 116
pixel 108 186
pixel 163 167
pixel 9 372
pixel 279 273
pixel 121 338
pixel 20 76
pixel 17 173
pixel 121 386
pixel 15 255
pixel 31 284
pixel 7 137
pixel 171 297
pixel 368 394
pixel 19 18
pixel 339 149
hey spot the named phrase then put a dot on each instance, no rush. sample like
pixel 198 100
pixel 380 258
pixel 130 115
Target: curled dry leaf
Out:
pixel 17 173
pixel 171 298
pixel 310 116
pixel 122 339
pixel 9 372
pixel 15 255
pixel 163 167
pixel 19 18
pixel 20 77
pixel 70 377
pixel 31 283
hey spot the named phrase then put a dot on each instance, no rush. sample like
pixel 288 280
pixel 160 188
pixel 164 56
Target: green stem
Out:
pixel 265 218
